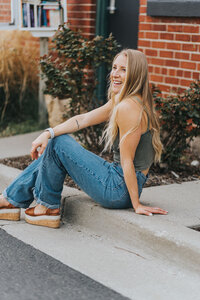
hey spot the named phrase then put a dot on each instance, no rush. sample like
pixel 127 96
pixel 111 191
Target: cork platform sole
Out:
pixel 47 221
pixel 10 214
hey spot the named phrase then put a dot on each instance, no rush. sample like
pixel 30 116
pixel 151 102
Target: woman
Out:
pixel 132 132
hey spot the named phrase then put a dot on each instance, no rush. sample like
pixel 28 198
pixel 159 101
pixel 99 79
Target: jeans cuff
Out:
pixel 39 201
pixel 17 204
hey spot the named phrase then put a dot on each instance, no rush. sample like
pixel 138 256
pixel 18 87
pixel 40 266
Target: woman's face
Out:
pixel 118 73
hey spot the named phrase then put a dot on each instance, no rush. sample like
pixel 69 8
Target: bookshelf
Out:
pixel 42 18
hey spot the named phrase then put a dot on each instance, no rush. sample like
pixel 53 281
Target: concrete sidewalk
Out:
pixel 17 145
pixel 171 236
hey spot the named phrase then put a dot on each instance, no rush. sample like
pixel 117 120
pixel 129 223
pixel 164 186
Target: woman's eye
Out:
pixel 124 70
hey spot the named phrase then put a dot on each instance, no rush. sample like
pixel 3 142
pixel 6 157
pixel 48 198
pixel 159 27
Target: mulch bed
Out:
pixel 157 176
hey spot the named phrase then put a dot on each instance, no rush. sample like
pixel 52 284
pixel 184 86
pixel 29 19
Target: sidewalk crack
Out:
pixel 129 251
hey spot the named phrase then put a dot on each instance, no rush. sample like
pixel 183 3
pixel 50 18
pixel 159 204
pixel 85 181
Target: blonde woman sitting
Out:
pixel 133 134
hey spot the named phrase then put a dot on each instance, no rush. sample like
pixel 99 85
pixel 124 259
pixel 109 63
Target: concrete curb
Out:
pixel 166 239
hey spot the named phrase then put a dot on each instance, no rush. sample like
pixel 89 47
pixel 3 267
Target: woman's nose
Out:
pixel 116 73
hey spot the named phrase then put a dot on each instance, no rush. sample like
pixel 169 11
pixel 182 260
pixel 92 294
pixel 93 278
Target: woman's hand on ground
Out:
pixel 148 210
pixel 39 145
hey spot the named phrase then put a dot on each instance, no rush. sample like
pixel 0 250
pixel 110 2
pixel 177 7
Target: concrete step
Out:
pixel 170 241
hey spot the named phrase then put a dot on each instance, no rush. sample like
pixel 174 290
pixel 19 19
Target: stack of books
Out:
pixel 41 13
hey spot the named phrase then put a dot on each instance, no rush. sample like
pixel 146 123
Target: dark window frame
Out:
pixel 173 8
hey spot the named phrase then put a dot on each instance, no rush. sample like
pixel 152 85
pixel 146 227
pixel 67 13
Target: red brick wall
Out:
pixel 82 15
pixel 5 11
pixel 172 47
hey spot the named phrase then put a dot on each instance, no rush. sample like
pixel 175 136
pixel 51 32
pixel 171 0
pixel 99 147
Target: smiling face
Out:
pixel 118 73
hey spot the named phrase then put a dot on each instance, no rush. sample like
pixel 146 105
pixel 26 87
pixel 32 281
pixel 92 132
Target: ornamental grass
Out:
pixel 19 60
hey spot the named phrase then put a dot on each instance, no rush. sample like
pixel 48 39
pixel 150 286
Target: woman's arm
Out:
pixel 128 115
pixel 93 117
pixel 73 124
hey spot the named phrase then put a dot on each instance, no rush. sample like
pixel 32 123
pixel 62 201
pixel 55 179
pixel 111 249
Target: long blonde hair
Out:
pixel 136 83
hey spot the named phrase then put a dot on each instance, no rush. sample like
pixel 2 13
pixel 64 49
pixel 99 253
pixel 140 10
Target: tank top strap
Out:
pixel 138 99
pixel 147 117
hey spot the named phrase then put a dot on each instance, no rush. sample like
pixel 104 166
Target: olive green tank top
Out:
pixel 144 155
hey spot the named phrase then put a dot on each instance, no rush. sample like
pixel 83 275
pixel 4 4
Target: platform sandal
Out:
pixel 48 219
pixel 10 212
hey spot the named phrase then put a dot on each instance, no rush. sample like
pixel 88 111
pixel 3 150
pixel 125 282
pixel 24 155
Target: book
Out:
pixel 33 2
pixel 28 15
pixel 32 15
pixel 51 7
pixel 39 16
pixel 24 15
pixel 49 3
pixel 44 18
pixel 48 18
pixel 54 18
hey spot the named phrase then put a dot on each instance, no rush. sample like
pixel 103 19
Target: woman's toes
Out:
pixel 3 201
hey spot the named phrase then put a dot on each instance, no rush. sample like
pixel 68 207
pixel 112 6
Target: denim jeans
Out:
pixel 43 179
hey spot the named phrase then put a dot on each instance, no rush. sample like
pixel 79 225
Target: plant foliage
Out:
pixel 70 69
pixel 180 122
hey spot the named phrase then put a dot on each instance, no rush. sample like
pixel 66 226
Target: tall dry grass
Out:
pixel 19 67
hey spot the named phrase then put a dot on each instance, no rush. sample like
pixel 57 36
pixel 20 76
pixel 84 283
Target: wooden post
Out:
pixel 42 112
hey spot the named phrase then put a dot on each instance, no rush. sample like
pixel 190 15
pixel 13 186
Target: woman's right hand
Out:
pixel 149 211
pixel 39 145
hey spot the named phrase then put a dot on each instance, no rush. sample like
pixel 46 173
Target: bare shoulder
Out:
pixel 128 111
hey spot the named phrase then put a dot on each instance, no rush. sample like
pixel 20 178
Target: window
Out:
pixel 173 8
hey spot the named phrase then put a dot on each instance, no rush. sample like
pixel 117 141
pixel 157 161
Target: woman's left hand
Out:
pixel 148 210
pixel 40 142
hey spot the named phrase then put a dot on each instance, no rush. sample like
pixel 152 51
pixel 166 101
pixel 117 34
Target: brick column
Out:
pixel 5 11
pixel 82 15
pixel 172 47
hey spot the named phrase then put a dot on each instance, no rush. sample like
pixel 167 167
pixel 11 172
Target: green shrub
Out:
pixel 18 78
pixel 70 69
pixel 180 122
pixel 13 128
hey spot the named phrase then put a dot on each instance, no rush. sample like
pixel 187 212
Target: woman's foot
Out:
pixel 3 201
pixel 8 211
pixel 43 216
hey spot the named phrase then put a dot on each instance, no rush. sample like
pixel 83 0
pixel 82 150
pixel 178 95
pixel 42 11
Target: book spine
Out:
pixel 54 18
pixel 56 7
pixel 48 18
pixel 39 16
pixel 32 17
pixel 49 2
pixel 24 14
pixel 35 15
pixel 28 15
pixel 44 18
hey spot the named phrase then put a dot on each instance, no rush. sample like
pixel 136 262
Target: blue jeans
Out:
pixel 43 179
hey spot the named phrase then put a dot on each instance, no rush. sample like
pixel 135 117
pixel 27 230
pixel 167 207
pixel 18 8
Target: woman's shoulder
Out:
pixel 128 105
pixel 128 112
